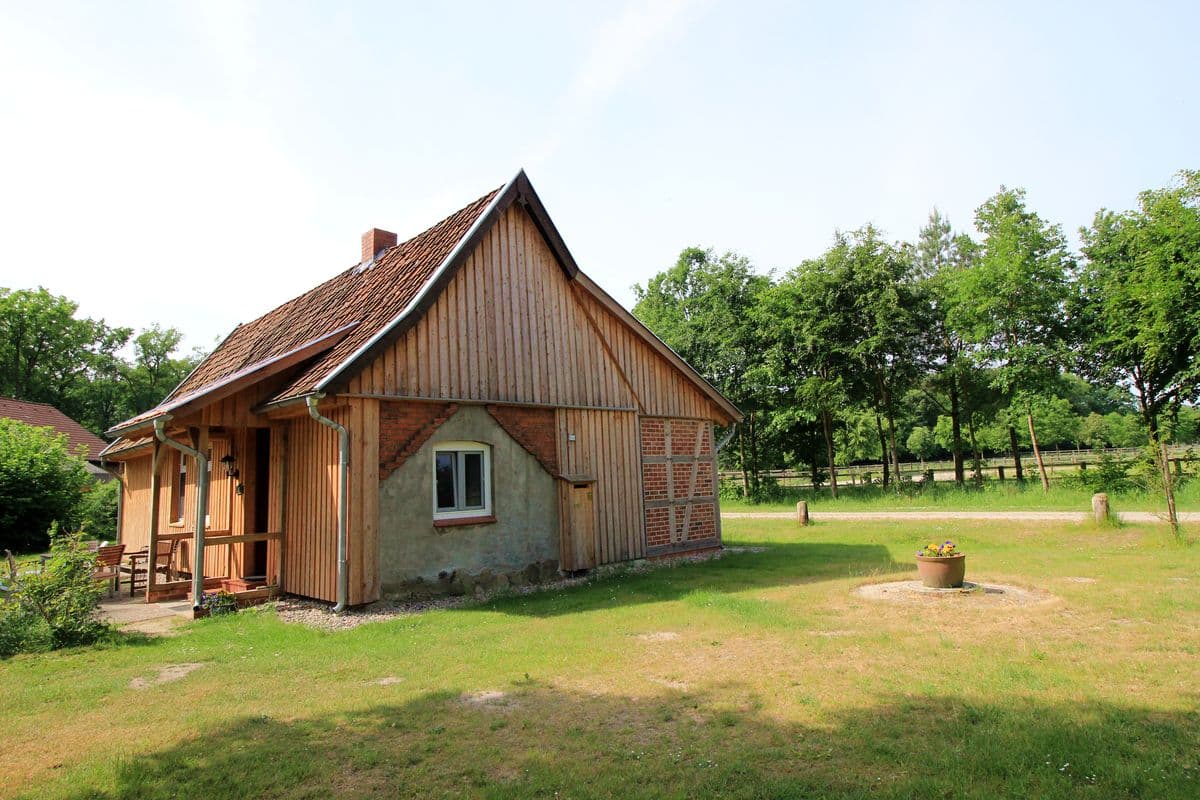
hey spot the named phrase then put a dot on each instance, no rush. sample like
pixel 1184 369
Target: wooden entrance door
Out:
pixel 577 548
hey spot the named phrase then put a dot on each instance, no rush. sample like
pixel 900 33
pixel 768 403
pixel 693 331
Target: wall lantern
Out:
pixel 230 465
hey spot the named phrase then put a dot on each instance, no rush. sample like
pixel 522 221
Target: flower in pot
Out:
pixel 941 566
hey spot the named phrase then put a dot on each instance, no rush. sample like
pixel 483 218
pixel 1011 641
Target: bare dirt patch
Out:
pixel 658 636
pixel 166 674
pixel 975 594
pixel 390 680
pixel 488 698
pixel 1077 579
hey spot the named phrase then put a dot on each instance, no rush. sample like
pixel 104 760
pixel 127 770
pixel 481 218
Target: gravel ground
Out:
pixel 320 615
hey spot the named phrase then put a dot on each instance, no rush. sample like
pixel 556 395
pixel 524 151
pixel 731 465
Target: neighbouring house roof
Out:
pixel 44 415
pixel 342 323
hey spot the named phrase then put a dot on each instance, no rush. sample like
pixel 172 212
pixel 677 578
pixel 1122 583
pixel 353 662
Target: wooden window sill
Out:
pixel 454 522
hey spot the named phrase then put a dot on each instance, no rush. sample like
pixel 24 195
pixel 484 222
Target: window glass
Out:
pixel 180 488
pixel 462 480
pixel 444 470
pixel 473 480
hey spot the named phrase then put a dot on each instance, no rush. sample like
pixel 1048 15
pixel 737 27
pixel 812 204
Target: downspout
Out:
pixel 343 573
pixel 160 424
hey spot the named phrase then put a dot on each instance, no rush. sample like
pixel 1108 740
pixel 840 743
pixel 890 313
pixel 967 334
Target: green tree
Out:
pixel 940 255
pixel 48 354
pixel 703 308
pixel 156 369
pixel 878 302
pixel 1010 305
pixel 803 325
pixel 1138 305
pixel 922 443
pixel 41 484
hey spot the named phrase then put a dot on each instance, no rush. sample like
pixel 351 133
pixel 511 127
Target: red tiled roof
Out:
pixel 44 415
pixel 370 297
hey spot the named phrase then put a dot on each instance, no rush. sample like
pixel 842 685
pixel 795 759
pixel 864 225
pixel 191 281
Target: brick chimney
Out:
pixel 375 240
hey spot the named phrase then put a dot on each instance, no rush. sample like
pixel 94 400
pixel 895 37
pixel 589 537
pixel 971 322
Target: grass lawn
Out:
pixel 757 675
pixel 993 496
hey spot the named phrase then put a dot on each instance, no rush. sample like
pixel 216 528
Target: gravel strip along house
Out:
pixel 464 408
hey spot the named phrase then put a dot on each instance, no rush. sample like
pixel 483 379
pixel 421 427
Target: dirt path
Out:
pixel 1012 516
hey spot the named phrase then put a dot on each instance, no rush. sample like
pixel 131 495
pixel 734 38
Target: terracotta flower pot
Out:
pixel 942 572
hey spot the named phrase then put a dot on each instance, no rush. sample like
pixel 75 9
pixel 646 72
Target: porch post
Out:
pixel 155 491
pixel 200 439
pixel 282 460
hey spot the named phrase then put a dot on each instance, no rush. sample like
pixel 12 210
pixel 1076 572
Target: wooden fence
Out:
pixel 998 467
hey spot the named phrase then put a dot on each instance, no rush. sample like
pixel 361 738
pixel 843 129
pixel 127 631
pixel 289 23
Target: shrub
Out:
pixel 56 607
pixel 98 511
pixel 1110 474
pixel 40 484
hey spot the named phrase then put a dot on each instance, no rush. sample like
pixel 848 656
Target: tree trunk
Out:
pixel 1168 488
pixel 891 416
pixel 1164 466
pixel 978 465
pixel 742 458
pixel 754 480
pixel 815 473
pixel 827 425
pixel 1037 453
pixel 883 450
pixel 956 434
pixel 1016 452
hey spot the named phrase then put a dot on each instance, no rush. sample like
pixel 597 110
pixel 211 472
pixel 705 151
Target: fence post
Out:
pixel 802 513
pixel 1178 462
pixel 1100 507
pixel 1000 472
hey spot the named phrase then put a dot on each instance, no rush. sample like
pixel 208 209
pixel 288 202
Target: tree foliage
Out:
pixel 49 354
pixel 41 483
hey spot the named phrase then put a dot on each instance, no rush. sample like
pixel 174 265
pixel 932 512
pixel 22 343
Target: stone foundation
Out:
pixel 461 582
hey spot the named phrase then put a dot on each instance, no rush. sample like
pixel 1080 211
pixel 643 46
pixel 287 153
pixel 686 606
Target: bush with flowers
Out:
pixel 943 550
pixel 218 603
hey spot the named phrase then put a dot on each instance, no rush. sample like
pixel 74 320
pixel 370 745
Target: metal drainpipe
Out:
pixel 343 575
pixel 160 425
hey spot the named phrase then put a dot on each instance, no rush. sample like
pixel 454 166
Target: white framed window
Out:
pixel 462 480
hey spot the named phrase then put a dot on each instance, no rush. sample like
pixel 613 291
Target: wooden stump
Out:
pixel 1100 507
pixel 802 513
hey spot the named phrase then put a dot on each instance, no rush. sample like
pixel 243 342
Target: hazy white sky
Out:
pixel 195 164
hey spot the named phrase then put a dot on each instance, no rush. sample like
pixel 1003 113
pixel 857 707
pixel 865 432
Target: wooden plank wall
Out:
pixel 661 389
pixel 134 524
pixel 310 567
pixel 606 449
pixel 507 327
pixel 277 515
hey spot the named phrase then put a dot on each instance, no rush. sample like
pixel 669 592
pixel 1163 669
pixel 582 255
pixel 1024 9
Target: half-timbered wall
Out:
pixel 679 485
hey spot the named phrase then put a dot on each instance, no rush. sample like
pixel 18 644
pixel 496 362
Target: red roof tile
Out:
pixel 44 415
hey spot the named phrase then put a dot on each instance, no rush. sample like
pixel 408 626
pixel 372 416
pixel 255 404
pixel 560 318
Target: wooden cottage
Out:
pixel 461 408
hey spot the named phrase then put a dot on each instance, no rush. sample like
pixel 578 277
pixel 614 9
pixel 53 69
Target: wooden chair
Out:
pixel 108 564
pixel 164 564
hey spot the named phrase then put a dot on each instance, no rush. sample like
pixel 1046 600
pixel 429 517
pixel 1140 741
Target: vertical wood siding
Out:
pixel 310 567
pixel 606 449
pixel 507 327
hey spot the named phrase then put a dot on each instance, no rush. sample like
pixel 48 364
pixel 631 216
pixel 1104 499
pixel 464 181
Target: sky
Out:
pixel 197 164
